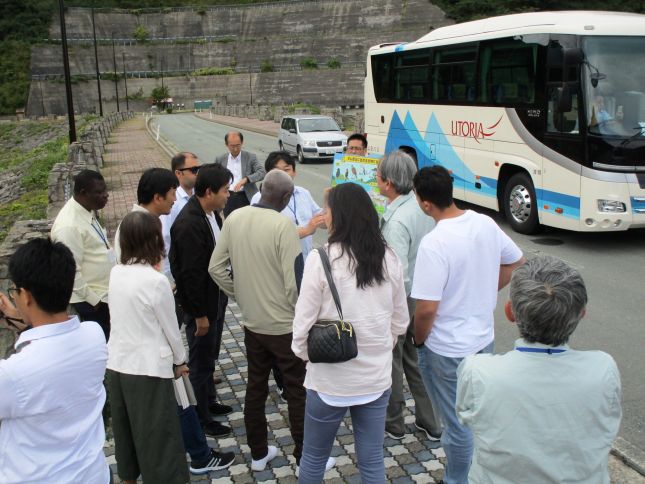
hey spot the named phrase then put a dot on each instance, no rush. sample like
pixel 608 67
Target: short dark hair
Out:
pixel 213 176
pixel 434 184
pixel 360 137
pixel 275 156
pixel 179 160
pixel 47 270
pixel 234 132
pixel 155 181
pixel 140 239
pixel 85 179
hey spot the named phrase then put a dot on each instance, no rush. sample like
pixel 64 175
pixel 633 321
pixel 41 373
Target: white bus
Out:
pixel 538 115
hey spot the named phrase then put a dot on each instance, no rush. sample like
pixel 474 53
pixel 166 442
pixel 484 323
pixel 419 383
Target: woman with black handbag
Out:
pixel 350 311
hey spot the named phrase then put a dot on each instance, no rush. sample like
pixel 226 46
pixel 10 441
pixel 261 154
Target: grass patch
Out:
pixel 35 165
pixel 213 71
pixel 312 109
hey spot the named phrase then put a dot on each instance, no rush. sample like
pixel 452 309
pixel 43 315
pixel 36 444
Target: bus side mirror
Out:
pixel 564 103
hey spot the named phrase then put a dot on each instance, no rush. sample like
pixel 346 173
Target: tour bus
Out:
pixel 538 115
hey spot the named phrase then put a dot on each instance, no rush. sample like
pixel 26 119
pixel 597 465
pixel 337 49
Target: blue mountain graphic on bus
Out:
pixel 435 149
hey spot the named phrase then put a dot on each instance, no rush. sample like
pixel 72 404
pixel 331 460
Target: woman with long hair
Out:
pixel 369 280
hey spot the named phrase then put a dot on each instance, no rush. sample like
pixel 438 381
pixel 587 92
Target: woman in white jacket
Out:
pixel 369 279
pixel 145 352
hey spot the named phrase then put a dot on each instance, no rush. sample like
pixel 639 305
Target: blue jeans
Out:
pixel 440 378
pixel 321 424
pixel 193 434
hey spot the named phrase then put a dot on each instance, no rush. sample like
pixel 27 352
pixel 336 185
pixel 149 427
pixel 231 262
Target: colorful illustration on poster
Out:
pixel 360 170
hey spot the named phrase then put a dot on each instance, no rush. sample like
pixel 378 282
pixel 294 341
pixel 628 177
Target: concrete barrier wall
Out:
pixel 282 33
pixel 256 21
pixel 332 87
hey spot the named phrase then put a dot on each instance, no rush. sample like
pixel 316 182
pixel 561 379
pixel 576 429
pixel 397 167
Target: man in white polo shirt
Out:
pixel 51 389
pixel 460 267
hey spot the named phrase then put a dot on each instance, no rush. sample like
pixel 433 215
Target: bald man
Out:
pixel 264 251
pixel 246 169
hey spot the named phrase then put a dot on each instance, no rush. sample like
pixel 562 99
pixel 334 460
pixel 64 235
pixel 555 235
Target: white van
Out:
pixel 311 136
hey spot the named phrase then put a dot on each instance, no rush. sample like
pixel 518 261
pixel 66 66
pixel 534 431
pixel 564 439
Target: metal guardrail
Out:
pixel 132 41
pixel 109 75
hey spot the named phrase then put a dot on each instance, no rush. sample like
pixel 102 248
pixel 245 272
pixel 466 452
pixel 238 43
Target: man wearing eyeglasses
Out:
pixel 51 389
pixel 246 169
pixel 77 227
pixel 185 166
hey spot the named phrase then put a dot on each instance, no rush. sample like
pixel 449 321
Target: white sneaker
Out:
pixel 259 465
pixel 331 462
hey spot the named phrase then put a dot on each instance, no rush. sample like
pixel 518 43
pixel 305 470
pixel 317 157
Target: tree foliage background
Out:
pixel 25 22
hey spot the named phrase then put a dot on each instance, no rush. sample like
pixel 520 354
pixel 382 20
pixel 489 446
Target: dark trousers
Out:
pixel 202 353
pixel 100 314
pixel 235 200
pixel 146 429
pixel 262 352
pixel 193 435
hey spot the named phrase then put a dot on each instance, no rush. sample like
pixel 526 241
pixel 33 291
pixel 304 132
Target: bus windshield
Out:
pixel 614 80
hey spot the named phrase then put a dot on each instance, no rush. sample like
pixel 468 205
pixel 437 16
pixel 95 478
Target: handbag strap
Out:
pixel 330 280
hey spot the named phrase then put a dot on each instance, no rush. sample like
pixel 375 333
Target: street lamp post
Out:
pixel 116 78
pixel 125 80
pixel 96 62
pixel 68 80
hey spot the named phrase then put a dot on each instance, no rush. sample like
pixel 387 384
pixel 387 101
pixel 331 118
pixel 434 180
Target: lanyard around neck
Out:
pixel 294 209
pixel 99 232
pixel 550 351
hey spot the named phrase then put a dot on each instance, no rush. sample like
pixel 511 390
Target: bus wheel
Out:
pixel 520 204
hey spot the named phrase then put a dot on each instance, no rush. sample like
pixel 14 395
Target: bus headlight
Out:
pixel 612 206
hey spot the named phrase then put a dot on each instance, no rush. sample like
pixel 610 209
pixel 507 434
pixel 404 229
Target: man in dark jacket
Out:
pixel 193 237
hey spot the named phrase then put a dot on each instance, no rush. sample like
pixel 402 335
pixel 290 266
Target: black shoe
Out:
pixel 220 409
pixel 216 462
pixel 430 436
pixel 216 429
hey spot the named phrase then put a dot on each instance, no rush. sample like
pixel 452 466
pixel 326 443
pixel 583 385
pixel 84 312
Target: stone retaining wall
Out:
pixel 87 153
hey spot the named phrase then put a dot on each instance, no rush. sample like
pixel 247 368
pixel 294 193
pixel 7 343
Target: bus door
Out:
pixel 560 196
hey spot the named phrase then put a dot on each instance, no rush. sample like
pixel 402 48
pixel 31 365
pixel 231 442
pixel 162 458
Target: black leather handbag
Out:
pixel 331 341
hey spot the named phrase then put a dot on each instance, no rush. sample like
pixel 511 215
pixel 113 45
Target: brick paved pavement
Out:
pixel 131 151
pixel 414 459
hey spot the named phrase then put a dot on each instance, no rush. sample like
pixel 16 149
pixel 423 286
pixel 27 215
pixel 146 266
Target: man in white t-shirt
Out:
pixel 460 267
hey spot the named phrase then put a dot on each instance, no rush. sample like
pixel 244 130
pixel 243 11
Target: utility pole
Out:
pixel 116 78
pixel 96 62
pixel 125 79
pixel 68 80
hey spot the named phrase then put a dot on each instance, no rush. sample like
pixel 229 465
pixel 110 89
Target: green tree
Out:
pixel 141 33
pixel 159 95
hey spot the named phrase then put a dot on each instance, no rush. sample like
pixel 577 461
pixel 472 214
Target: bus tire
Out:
pixel 520 204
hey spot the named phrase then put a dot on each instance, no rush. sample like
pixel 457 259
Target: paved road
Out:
pixel 613 266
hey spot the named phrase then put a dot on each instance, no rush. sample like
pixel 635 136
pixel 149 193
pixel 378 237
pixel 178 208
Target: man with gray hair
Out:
pixel 544 410
pixel 403 226
pixel 263 249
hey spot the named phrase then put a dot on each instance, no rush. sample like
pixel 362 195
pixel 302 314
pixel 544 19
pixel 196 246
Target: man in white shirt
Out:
pixel 543 412
pixel 78 228
pixel 156 195
pixel 460 267
pixel 246 169
pixel 51 389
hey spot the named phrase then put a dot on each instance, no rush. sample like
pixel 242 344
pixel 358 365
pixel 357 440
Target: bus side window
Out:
pixel 559 122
